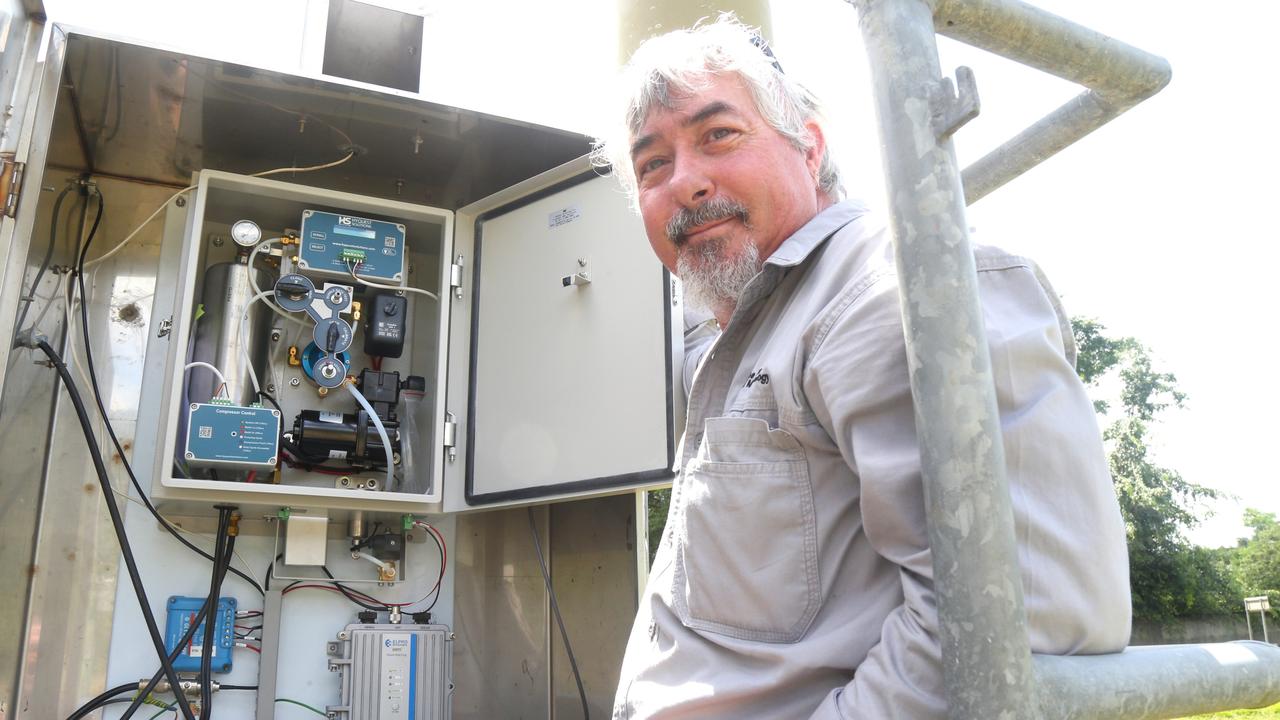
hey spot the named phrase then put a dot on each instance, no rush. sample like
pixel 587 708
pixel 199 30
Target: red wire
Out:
pixel 252 648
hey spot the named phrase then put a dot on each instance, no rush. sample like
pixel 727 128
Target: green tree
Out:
pixel 1169 577
pixel 1257 562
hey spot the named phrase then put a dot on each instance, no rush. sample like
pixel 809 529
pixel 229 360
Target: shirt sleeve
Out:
pixel 1075 576
pixel 857 384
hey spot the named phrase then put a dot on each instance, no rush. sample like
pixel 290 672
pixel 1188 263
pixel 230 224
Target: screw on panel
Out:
pixel 189 455
pixel 193 406
pixel 342 635
pixel 275 336
pixel 271 387
pixel 180 202
pixel 294 382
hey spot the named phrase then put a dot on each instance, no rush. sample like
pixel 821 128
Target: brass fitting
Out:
pixel 322 391
pixel 355 311
pixel 234 528
pixel 294 360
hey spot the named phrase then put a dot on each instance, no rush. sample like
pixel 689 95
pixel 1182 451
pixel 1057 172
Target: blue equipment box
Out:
pixel 333 244
pixel 223 435
pixel 181 611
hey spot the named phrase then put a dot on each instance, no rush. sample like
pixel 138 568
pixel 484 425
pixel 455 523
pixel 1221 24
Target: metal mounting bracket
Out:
pixel 955 104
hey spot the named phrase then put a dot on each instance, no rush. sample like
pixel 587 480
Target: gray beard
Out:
pixel 713 278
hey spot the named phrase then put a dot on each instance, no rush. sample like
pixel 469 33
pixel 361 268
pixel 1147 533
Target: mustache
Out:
pixel 717 208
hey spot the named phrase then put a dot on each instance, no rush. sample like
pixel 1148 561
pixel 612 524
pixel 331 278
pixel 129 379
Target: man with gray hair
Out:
pixel 794 578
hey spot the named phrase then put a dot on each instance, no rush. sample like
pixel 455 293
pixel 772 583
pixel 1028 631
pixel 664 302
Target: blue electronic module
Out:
pixel 220 434
pixel 180 612
pixel 332 245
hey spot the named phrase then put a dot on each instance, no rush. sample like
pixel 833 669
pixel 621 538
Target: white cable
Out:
pixel 138 229
pixel 351 268
pixel 172 197
pixel 277 171
pixel 217 373
pixel 377 423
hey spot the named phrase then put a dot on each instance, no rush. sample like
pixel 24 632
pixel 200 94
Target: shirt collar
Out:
pixel 796 248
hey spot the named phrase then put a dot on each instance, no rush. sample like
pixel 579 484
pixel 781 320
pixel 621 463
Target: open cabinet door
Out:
pixel 562 355
pixel 28 89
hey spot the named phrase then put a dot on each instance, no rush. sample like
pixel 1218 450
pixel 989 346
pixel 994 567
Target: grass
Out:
pixel 1269 713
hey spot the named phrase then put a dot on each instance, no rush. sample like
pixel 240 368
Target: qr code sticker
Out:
pixel 389 242
pixel 206 432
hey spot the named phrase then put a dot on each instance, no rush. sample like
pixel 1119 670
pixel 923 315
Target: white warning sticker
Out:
pixel 330 417
pixel 563 216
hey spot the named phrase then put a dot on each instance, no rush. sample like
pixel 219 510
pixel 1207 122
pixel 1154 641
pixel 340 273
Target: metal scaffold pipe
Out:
pixel 986 654
pixel 1117 75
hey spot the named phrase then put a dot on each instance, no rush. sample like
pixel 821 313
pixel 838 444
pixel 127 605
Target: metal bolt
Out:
pixel 329 372
pixel 582 262
pixel 271 387
pixel 344 481
pixel 294 382
pixel 217 241
pixel 342 635
pixel 190 455
pixel 193 406
pixel 180 202
pixel 275 336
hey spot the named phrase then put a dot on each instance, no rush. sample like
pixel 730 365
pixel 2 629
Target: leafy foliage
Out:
pixel 1169 577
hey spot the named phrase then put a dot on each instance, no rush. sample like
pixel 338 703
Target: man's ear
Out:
pixel 813 156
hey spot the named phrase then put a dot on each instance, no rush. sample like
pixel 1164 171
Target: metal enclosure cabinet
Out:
pixel 549 361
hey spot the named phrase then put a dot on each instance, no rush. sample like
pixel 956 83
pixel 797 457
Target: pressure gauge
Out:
pixel 246 233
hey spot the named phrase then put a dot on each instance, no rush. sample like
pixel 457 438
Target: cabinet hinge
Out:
pixel 455 277
pixel 10 183
pixel 451 436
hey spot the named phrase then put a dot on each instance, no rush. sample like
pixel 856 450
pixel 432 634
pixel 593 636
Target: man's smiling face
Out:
pixel 713 177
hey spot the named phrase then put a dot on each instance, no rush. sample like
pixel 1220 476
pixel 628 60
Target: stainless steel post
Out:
pixel 986 655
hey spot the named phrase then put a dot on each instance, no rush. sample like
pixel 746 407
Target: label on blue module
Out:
pixel 220 435
pixel 333 245
pixel 181 612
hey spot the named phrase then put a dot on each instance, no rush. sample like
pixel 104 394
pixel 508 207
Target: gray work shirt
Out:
pixel 794 578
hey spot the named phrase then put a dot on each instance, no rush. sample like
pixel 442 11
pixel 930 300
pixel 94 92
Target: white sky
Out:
pixel 1155 224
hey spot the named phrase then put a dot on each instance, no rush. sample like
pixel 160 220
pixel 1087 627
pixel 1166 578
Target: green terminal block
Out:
pixel 353 255
pixel 407 521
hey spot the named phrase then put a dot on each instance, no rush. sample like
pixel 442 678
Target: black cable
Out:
pixel 117 522
pixel 238 687
pixel 101 700
pixel 347 591
pixel 215 587
pixel 173 656
pixel 30 298
pixel 206 610
pixel 97 396
pixel 564 635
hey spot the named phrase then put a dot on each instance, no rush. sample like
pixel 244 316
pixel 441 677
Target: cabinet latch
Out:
pixel 451 436
pixel 455 277
pixel 10 183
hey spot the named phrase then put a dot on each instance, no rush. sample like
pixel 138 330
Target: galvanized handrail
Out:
pixel 1159 681
pixel 987 665
pixel 1118 76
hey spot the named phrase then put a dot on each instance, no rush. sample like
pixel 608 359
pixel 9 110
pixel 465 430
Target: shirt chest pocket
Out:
pixel 746 557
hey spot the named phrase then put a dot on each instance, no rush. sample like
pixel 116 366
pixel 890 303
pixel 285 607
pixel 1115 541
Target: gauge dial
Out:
pixel 246 233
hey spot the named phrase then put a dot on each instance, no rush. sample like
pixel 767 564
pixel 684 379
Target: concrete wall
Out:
pixel 1215 628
